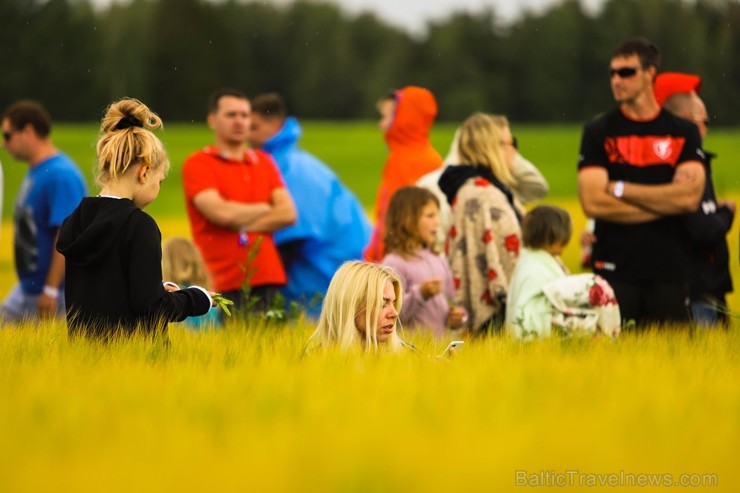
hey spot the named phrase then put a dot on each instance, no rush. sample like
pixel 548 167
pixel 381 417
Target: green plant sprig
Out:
pixel 222 302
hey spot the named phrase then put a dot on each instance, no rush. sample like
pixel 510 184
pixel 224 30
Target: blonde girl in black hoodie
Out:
pixel 113 248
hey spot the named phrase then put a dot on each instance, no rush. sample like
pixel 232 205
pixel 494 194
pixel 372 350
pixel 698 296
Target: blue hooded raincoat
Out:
pixel 332 225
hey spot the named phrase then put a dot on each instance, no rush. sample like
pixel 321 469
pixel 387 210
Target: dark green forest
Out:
pixel 545 67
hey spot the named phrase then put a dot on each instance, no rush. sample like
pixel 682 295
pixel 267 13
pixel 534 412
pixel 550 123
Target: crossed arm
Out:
pixel 681 196
pixel 258 217
pixel 640 203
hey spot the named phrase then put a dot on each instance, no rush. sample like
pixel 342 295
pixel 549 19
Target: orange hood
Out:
pixel 415 112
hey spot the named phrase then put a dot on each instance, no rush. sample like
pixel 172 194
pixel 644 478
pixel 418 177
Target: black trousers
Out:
pixel 653 303
pixel 261 298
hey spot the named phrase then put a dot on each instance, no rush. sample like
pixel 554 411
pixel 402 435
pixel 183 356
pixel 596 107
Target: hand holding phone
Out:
pixel 453 347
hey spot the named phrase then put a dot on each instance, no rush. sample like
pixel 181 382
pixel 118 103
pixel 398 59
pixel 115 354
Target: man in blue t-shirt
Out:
pixel 640 170
pixel 50 191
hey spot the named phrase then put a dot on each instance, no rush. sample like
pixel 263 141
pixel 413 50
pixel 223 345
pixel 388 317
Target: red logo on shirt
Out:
pixel 662 148
pixel 641 151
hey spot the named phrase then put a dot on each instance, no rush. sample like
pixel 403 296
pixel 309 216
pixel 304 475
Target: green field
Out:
pixel 356 151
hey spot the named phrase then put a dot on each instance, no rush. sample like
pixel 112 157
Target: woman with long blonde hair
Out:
pixel 360 310
pixel 484 239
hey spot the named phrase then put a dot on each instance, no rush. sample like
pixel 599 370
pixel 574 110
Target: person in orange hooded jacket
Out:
pixel 407 116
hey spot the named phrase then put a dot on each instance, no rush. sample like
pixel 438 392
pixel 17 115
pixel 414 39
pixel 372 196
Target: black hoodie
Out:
pixel 113 272
pixel 455 176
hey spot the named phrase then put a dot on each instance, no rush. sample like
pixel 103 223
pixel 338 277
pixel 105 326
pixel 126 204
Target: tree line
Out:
pixel 544 67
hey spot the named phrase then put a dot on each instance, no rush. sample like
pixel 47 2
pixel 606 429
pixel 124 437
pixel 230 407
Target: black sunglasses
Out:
pixel 514 142
pixel 623 72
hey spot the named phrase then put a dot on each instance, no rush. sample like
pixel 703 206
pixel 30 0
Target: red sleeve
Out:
pixel 197 175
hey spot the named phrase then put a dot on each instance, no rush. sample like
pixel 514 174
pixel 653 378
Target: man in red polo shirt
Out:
pixel 235 198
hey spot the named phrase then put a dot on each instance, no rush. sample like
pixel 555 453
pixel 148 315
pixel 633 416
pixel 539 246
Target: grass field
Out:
pixel 242 409
pixel 356 151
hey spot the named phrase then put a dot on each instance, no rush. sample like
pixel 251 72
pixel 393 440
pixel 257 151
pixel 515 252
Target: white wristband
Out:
pixel 619 189
pixel 51 291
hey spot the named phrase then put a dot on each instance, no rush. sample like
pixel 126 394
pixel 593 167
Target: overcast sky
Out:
pixel 413 14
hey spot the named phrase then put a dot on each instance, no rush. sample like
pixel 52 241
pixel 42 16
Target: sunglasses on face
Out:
pixel 624 72
pixel 514 142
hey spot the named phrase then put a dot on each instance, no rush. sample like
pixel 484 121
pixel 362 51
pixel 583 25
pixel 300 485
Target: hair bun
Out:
pixel 128 121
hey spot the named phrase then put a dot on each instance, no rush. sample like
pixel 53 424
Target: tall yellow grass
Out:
pixel 242 409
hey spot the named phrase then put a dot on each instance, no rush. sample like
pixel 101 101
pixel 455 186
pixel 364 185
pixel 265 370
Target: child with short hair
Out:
pixel 113 249
pixel 411 228
pixel 541 293
pixel 183 266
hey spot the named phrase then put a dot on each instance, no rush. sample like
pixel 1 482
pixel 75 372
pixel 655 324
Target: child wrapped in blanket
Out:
pixel 543 297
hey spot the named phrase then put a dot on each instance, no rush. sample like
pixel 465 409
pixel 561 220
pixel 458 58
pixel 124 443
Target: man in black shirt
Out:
pixel 707 227
pixel 640 169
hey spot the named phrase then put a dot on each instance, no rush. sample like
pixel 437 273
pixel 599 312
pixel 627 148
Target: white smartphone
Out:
pixel 456 345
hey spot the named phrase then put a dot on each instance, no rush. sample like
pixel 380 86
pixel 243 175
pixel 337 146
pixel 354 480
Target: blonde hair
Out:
pixel 480 144
pixel 126 140
pixel 453 155
pixel 402 220
pixel 356 287
pixel 183 264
